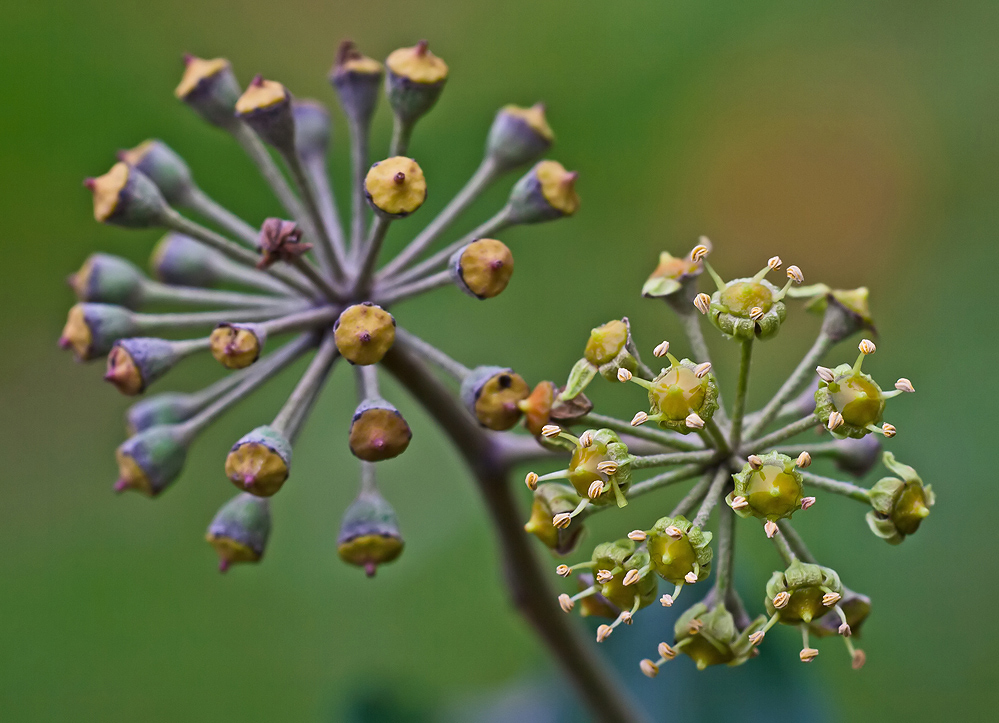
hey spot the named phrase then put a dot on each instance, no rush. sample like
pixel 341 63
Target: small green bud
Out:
pixel 519 136
pixel 237 346
pixel 356 78
pixel 771 491
pixel 415 79
pixel 619 558
pixel 210 88
pixel 806 591
pixel 550 499
pixel 124 196
pixel 161 165
pixel 900 505
pixel 108 279
pixel 677 548
pixel 680 391
pixel 166 408
pixel 265 106
pixel 537 407
pixel 482 268
pixel 369 533
pixel 395 187
pixel 151 460
pixel 606 460
pixel 492 395
pixel 260 461
pixel 92 329
pixel 364 333
pixel 135 363
pixel 609 348
pixel 240 530
pixel 711 637
pixel 747 309
pixel 544 193
pixel 378 431
pixel 312 128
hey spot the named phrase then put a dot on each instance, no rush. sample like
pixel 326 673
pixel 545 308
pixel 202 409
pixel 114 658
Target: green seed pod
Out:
pixel 748 308
pixel 813 590
pixel 166 408
pixel 856 608
pixel 550 499
pixel 312 128
pixel 395 187
pixel 544 193
pixel 772 491
pixel 482 268
pixel 415 79
pixel 108 279
pixel 92 329
pixel 710 637
pixel 260 461
pixel 124 196
pixel 369 533
pixel 210 88
pixel 265 106
pixel 356 78
pixel 678 392
pixel 677 548
pixel 240 530
pixel 151 460
pixel 900 505
pixel 364 333
pixel 856 396
pixel 135 363
pixel 492 395
pixel 606 460
pixel 518 136
pixel 237 346
pixel 620 558
pixel 161 165
pixel 537 407
pixel 378 431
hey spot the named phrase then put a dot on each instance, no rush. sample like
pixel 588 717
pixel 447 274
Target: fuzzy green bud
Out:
pixel 369 533
pixel 518 136
pixel 151 460
pixel 260 461
pixel 493 394
pixel 544 193
pixel 378 431
pixel 240 530
pixel 166 408
pixel 900 503
pixel 108 279
pixel 482 268
pixel 415 78
pixel 771 491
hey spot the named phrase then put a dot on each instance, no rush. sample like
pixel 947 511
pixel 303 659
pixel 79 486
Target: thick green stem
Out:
pixel 359 163
pixel 784 549
pixel 847 489
pixel 401 133
pixel 726 552
pixel 156 292
pixel 713 436
pixel 368 254
pixel 325 249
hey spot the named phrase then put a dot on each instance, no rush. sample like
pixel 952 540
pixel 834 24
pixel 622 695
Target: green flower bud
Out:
pixel 210 88
pixel 108 279
pixel 312 128
pixel 551 499
pixel 544 193
pixel 492 395
pixel 537 407
pixel 771 491
pixel 608 349
pixel 265 106
pixel 482 268
pixel 364 333
pixel 237 346
pixel 151 460
pixel 812 591
pixel 415 79
pixel 619 558
pixel 900 505
pixel 135 363
pixel 260 461
pixel 166 408
pixel 748 308
pixel 369 533
pixel 161 165
pixel 677 549
pixel 711 637
pixel 356 79
pixel 378 431
pixel 92 329
pixel 606 460
pixel 240 530
pixel 124 196
pixel 395 187
pixel 518 136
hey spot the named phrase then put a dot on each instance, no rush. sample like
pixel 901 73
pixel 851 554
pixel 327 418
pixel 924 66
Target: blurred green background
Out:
pixel 854 138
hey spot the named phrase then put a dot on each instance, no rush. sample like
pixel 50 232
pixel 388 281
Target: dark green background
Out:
pixel 854 138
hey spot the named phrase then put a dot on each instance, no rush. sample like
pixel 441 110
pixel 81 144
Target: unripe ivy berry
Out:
pixel 369 533
pixel 161 165
pixel 151 460
pixel 210 88
pixel 356 79
pixel 240 530
pixel 551 499
pixel 92 329
pixel 108 279
pixel 900 503
pixel 493 394
pixel 364 333
pixel 415 79
pixel 395 187
pixel 711 637
pixel 482 268
pixel 237 346
pixel 544 193
pixel 134 364
pixel 265 106
pixel 125 197
pixel 378 431
pixel 518 136
pixel 811 590
pixel 260 461
pixel 771 491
